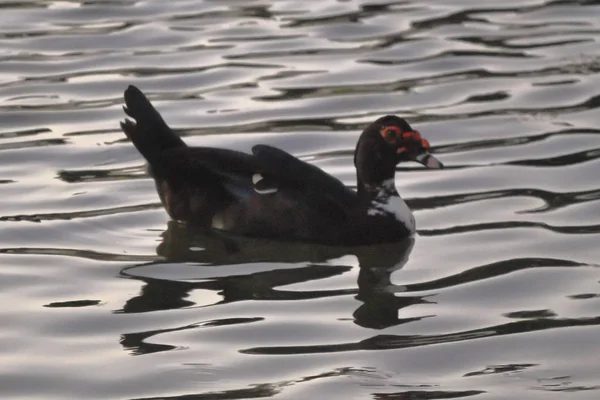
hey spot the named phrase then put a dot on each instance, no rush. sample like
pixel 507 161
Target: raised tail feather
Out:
pixel 149 133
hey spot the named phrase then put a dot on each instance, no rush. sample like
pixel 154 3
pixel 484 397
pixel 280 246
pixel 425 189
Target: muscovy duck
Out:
pixel 272 194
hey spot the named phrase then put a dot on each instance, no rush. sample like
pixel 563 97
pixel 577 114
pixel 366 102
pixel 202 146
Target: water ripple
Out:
pixel 497 297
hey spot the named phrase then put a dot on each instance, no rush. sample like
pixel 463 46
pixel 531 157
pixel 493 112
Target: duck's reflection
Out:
pixel 379 308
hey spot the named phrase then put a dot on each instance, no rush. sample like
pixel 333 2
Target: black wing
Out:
pixel 287 170
pixel 267 171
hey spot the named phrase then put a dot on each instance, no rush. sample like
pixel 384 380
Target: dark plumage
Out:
pixel 271 193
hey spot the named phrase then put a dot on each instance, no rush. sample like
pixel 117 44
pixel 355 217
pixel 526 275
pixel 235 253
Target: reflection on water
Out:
pixel 379 308
pixel 496 298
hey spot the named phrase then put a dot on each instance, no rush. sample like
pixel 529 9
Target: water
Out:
pixel 497 298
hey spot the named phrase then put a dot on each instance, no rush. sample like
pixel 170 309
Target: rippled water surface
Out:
pixel 101 297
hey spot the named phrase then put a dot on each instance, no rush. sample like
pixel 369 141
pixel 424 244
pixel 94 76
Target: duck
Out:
pixel 271 194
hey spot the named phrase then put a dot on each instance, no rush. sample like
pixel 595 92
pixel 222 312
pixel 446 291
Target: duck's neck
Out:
pixel 374 183
pixel 376 190
pixel 374 175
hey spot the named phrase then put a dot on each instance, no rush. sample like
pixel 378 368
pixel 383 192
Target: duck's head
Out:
pixel 405 142
pixel 387 142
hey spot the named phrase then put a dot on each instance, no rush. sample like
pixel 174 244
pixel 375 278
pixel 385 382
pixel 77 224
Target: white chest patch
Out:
pixel 396 206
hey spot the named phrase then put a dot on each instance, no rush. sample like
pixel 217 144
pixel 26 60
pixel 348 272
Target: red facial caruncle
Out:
pixel 395 135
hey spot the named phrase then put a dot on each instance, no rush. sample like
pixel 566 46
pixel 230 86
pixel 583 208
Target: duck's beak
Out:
pixel 428 160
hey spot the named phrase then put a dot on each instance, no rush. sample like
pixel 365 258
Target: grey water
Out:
pixel 497 297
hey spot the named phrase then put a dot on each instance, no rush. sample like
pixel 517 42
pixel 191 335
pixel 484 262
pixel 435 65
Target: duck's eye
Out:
pixel 391 134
